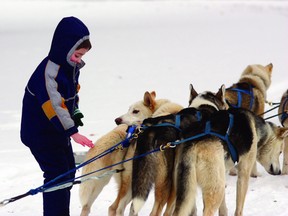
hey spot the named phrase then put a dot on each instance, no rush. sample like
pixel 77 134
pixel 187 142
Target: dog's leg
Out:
pixel 124 195
pixel 163 181
pixel 211 178
pixel 125 192
pixel 285 157
pixel 233 171
pixel 254 173
pixel 245 167
pixel 85 210
pixel 171 201
pixel 242 187
pixel 172 196
pixel 89 191
pixel 223 210
pixel 244 170
pixel 132 212
pixel 162 191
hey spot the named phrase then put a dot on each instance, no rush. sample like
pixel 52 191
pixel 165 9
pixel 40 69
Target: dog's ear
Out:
pixel 193 94
pixel 282 132
pixel 269 67
pixel 221 96
pixel 153 94
pixel 221 93
pixel 149 101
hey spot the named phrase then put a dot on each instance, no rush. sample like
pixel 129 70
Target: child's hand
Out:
pixel 82 140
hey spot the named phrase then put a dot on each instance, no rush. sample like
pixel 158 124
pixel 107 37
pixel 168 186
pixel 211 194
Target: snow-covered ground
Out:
pixel 138 46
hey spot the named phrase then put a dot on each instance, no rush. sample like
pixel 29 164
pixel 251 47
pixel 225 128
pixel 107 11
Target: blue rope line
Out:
pixel 108 151
pixel 72 181
pixel 45 186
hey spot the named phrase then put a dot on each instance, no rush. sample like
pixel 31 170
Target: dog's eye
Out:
pixel 135 111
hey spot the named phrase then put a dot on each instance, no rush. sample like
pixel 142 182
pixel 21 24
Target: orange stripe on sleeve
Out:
pixel 49 110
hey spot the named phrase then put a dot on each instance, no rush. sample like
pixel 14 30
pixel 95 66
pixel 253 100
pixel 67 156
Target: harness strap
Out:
pixel 177 121
pixel 239 96
pixel 130 131
pixel 231 148
pixel 284 115
pixel 166 124
pixel 199 116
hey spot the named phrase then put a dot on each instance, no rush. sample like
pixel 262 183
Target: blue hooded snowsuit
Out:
pixel 49 102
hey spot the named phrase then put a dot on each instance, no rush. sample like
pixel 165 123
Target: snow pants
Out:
pixel 54 160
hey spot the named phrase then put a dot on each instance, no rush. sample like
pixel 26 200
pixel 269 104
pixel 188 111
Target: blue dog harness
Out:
pixel 130 131
pixel 239 96
pixel 284 115
pixel 231 148
pixel 177 122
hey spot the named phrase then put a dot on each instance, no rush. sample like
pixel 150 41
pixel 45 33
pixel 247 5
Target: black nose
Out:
pixel 274 172
pixel 118 121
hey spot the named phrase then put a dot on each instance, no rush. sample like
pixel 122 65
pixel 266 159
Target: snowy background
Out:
pixel 138 46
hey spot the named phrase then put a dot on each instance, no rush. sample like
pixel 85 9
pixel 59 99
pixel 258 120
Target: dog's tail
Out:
pixel 142 180
pixel 186 186
pixel 143 175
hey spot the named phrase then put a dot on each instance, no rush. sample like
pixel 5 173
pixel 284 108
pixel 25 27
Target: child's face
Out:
pixel 77 55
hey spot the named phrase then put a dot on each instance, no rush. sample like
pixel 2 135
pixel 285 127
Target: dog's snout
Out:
pixel 274 171
pixel 118 121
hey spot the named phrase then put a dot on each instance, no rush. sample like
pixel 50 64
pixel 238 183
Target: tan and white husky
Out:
pixel 90 190
pixel 250 93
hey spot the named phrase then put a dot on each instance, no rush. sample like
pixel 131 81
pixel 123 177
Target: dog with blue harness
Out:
pixel 231 137
pixel 158 168
pixel 250 93
pixel 283 118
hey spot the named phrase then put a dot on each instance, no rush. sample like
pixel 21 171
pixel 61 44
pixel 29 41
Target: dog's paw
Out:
pixel 233 172
pixel 255 174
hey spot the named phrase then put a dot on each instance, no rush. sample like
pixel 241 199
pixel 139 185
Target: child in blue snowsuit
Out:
pixel 50 114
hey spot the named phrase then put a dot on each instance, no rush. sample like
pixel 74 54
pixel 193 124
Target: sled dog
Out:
pixel 90 190
pixel 264 143
pixel 250 93
pixel 229 136
pixel 157 168
pixel 250 90
pixel 283 118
